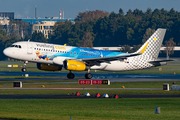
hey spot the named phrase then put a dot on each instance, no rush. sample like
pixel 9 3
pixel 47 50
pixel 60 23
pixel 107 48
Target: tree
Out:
pixel 129 33
pixel 38 37
pixel 90 15
pixel 169 50
pixel 126 48
pixel 135 48
pixel 121 13
pixel 148 33
pixel 86 40
pixel 61 31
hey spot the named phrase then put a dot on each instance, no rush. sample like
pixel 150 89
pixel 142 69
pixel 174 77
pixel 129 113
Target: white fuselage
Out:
pixel 51 54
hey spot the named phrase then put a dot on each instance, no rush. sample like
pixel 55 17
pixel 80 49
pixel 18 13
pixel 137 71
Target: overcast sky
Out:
pixel 50 8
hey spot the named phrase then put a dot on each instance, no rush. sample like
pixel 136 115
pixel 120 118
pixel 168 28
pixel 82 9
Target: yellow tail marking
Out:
pixel 142 51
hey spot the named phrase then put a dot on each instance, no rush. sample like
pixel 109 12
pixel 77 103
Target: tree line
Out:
pixel 102 29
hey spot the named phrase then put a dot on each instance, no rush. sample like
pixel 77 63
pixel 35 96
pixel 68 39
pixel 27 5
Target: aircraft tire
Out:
pixel 23 69
pixel 88 75
pixel 70 76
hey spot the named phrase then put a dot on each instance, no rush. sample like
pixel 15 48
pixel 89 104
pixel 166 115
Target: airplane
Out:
pixel 52 57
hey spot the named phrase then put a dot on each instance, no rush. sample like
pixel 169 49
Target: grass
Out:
pixel 88 109
pixel 91 109
pixel 50 84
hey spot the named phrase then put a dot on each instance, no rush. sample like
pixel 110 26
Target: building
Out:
pixel 5 18
pixel 7 15
pixel 44 25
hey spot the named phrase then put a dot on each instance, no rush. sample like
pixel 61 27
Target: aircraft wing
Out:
pixel 97 61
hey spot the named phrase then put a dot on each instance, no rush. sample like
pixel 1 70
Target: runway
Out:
pixel 113 77
pixel 82 96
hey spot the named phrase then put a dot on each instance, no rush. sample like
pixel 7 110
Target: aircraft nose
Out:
pixel 6 52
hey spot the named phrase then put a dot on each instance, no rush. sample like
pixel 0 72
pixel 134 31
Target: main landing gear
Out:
pixel 88 75
pixel 24 68
pixel 70 75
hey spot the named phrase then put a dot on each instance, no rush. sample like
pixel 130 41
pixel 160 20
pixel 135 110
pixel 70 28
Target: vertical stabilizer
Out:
pixel 152 46
pixel 149 52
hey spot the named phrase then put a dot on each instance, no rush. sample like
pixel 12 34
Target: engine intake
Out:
pixel 48 67
pixel 74 65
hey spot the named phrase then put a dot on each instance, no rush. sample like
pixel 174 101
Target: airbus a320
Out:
pixel 52 57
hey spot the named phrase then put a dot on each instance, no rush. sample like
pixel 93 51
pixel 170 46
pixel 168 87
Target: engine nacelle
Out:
pixel 48 67
pixel 74 65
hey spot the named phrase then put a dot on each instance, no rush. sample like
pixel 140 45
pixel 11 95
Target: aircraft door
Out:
pixel 29 48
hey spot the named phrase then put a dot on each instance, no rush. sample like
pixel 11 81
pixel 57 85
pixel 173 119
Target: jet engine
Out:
pixel 74 65
pixel 48 67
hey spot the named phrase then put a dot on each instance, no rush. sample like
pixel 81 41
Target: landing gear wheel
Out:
pixel 23 69
pixel 88 75
pixel 70 75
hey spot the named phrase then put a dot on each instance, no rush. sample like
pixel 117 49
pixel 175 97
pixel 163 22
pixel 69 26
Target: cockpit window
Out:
pixel 16 46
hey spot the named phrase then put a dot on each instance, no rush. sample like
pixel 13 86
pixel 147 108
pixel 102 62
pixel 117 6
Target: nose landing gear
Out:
pixel 24 68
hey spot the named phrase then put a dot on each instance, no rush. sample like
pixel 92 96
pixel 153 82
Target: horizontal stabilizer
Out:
pixel 159 62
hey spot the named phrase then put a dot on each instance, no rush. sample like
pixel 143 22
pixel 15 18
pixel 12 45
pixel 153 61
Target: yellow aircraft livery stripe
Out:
pixel 142 51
